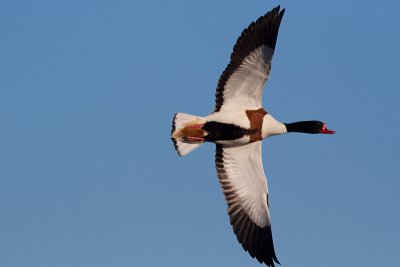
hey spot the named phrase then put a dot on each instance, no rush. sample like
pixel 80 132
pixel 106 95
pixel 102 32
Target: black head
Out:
pixel 310 127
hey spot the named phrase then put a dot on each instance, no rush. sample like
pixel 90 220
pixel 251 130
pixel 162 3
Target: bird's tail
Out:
pixel 187 133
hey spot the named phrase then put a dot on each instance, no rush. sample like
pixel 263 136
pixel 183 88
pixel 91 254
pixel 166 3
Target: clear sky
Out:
pixel 88 173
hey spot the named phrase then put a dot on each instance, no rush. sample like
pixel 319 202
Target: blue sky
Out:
pixel 88 173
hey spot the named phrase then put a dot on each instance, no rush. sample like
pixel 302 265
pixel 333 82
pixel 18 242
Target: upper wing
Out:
pixel 242 82
pixel 241 175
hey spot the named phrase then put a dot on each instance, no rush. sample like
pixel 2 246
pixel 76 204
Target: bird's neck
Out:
pixel 303 127
pixel 271 126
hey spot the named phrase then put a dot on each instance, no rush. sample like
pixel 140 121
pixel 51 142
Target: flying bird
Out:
pixel 237 127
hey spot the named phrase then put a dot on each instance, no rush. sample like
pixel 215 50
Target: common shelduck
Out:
pixel 237 127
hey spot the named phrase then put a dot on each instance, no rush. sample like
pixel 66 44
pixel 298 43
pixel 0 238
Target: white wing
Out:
pixel 241 174
pixel 242 82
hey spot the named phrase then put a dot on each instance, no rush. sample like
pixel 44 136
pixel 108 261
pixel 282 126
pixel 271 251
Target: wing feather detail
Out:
pixel 241 175
pixel 242 82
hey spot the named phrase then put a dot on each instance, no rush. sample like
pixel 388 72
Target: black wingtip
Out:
pixel 278 12
pixel 282 12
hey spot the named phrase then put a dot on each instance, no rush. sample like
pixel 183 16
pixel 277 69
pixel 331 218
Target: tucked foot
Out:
pixel 195 126
pixel 194 139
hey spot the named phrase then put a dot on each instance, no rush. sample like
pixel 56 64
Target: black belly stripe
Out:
pixel 218 131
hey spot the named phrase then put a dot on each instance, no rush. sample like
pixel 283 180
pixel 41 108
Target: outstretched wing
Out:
pixel 241 175
pixel 242 82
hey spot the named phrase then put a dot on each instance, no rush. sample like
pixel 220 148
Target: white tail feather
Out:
pixel 180 121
